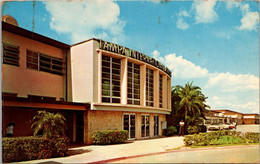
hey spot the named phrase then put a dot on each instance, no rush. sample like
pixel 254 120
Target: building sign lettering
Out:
pixel 104 45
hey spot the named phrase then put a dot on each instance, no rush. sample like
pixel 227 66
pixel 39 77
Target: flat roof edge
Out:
pixel 32 35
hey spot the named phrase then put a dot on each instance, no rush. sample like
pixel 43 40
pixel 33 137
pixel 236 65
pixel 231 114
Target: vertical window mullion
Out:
pixel 51 64
pixel 133 83
pixel 38 61
pixel 148 86
pixel 110 80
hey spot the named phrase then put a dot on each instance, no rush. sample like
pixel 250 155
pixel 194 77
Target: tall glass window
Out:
pixel 167 94
pixel 160 91
pixel 133 84
pixel 149 87
pixel 111 70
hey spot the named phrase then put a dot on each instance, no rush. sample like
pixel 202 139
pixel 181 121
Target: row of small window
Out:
pixel 41 62
pixel 34 60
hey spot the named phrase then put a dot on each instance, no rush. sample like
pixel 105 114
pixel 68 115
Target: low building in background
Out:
pixel 228 116
pixel 231 116
pixel 214 117
pixel 250 119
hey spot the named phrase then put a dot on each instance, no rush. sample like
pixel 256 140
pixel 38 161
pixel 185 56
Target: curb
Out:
pixel 171 151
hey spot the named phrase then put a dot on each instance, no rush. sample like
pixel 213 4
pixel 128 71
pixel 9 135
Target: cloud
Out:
pixel 86 19
pixel 156 55
pixel 249 21
pixel 228 82
pixel 181 23
pixel 255 111
pixel 181 68
pixel 230 4
pixel 204 11
pixel 223 103
pixel 183 13
pixel 223 34
pixel 239 92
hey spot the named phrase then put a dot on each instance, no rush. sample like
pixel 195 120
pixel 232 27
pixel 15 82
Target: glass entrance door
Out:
pixel 129 125
pixel 145 126
pixel 156 125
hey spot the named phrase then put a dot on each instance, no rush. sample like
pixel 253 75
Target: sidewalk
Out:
pixel 95 153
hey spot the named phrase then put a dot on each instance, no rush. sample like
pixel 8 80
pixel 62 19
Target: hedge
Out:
pixel 193 129
pixel 171 130
pixel 252 136
pixel 220 137
pixel 104 137
pixel 30 148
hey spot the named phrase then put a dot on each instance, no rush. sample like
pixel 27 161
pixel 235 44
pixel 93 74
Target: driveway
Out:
pixel 229 154
pixel 248 128
pixel 94 153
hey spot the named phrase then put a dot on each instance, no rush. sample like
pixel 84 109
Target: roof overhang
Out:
pixel 34 36
pixel 20 102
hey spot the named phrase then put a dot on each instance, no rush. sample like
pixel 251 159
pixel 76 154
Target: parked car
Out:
pixel 226 126
pixel 215 126
pixel 232 126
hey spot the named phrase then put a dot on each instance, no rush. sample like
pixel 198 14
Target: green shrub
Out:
pixel 104 137
pixel 188 140
pixel 30 148
pixel 220 138
pixel 171 130
pixel 202 128
pixel 193 129
pixel 60 146
pixel 252 136
pixel 224 140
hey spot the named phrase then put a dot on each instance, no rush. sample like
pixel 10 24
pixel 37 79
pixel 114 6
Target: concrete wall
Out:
pixel 82 72
pixel 101 120
pixel 112 120
pixel 27 81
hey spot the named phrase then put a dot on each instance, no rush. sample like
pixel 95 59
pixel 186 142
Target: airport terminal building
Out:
pixel 95 84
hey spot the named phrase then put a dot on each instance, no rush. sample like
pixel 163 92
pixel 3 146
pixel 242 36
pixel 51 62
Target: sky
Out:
pixel 214 44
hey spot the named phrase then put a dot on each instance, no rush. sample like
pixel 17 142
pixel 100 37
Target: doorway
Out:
pixel 79 127
pixel 145 126
pixel 129 125
pixel 156 125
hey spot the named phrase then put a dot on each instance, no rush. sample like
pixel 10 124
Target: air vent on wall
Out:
pixel 9 19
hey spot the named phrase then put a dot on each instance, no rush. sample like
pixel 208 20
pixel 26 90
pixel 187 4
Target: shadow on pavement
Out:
pixel 49 162
pixel 77 151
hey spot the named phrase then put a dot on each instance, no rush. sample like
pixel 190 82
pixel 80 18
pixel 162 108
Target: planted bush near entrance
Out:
pixel 104 137
pixel 171 130
pixel 30 148
pixel 221 138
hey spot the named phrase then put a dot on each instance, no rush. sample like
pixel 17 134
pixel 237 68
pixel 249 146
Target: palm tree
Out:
pixel 190 101
pixel 51 124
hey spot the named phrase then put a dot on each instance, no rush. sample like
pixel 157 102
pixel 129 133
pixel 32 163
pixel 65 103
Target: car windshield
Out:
pixel 215 124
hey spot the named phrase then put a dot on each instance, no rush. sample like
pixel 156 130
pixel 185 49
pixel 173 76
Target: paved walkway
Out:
pixel 248 128
pixel 95 153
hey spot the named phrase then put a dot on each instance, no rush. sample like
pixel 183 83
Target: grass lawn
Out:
pixel 223 145
pixel 208 146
